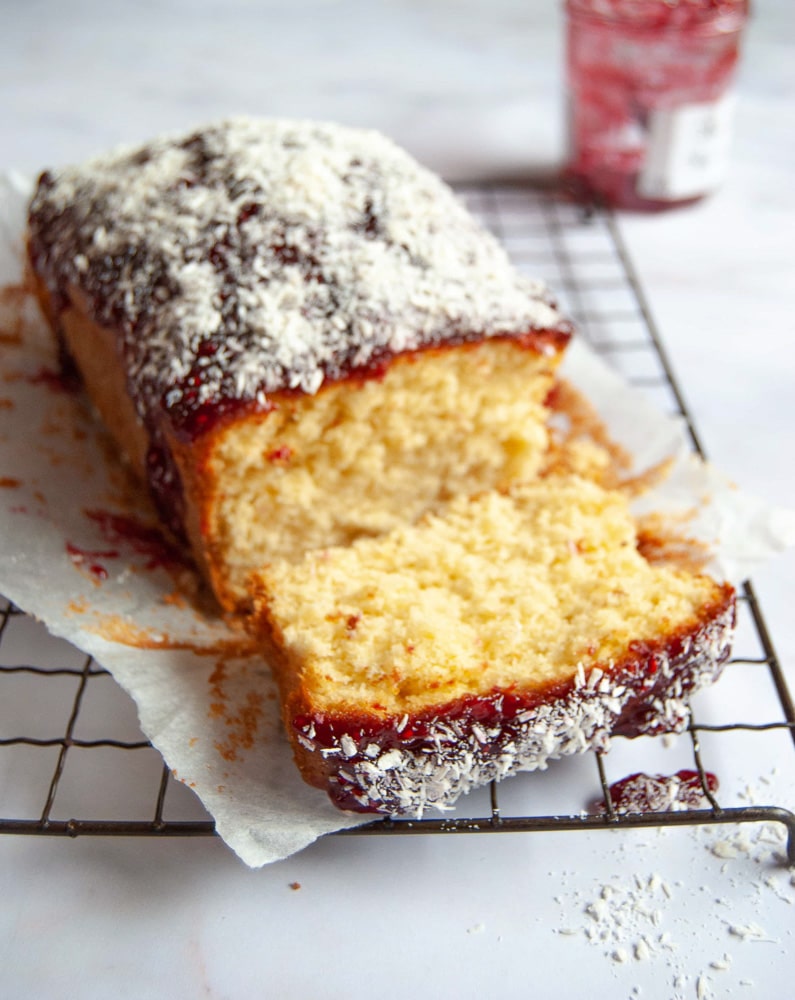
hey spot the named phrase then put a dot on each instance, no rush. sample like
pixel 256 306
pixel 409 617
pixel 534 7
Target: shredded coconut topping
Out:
pixel 255 256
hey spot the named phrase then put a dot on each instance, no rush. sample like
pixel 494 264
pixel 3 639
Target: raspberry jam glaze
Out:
pixel 649 98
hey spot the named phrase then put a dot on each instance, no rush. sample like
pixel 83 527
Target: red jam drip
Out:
pixel 143 539
pixel 165 485
pixel 645 793
pixel 128 533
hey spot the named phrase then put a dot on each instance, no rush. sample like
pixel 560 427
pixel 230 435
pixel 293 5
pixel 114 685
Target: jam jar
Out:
pixel 650 98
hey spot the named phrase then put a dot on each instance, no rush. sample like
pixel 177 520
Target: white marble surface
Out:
pixel 474 90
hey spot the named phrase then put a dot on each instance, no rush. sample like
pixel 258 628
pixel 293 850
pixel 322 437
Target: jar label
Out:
pixel 688 150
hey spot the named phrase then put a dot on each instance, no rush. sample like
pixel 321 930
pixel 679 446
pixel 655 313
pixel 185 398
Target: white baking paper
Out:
pixel 209 709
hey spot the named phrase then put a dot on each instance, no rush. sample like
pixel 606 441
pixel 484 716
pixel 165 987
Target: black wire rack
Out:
pixel 582 255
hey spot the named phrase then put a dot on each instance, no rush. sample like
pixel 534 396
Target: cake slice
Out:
pixel 513 629
pixel 297 335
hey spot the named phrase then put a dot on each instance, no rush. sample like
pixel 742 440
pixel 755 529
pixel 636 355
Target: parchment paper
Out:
pixel 209 707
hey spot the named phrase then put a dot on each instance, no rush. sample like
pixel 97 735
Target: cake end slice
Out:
pixel 516 628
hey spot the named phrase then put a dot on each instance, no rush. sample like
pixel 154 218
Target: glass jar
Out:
pixel 650 98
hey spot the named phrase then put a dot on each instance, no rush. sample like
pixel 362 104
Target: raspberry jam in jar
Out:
pixel 650 91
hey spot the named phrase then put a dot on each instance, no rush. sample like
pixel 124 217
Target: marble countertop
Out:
pixel 474 90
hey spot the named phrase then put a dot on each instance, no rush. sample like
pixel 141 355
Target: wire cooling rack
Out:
pixel 69 740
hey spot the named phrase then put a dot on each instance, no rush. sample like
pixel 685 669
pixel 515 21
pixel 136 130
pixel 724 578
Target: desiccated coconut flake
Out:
pixel 665 940
pixel 702 988
pixel 723 849
pixel 751 932
pixel 598 909
pixel 348 746
pixel 389 760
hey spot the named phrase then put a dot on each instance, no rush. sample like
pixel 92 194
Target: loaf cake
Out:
pixel 297 335
pixel 514 628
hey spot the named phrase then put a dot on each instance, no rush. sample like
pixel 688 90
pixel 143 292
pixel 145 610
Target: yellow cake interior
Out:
pixel 363 456
pixel 502 590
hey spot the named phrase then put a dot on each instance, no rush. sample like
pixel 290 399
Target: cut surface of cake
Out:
pixel 296 333
pixel 508 631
